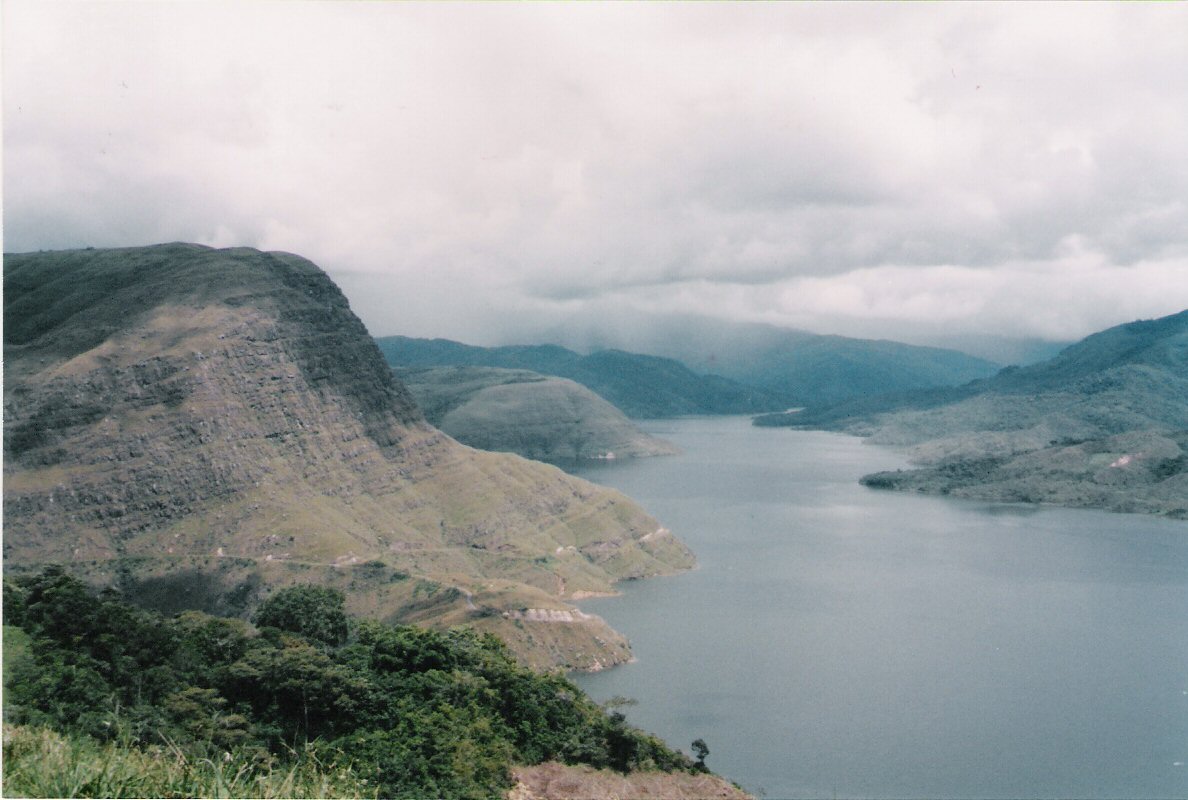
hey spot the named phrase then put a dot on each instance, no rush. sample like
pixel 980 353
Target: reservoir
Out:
pixel 839 641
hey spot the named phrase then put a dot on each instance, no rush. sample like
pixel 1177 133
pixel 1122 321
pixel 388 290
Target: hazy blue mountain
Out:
pixel 827 369
pixel 1139 364
pixel 1002 349
pixel 640 386
pixel 1161 344
pixel 805 369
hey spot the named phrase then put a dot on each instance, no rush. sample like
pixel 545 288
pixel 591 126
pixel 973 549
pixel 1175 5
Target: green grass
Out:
pixel 15 647
pixel 39 762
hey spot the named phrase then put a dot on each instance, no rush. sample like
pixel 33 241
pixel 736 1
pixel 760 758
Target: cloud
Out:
pixel 474 170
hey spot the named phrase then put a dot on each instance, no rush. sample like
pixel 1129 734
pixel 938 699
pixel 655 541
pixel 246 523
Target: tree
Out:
pixel 315 612
pixel 701 750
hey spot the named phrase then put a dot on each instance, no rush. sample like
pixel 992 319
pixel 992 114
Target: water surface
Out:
pixel 838 641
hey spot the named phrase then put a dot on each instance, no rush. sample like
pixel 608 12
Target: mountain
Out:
pixel 818 370
pixel 640 386
pixel 1159 344
pixel 198 427
pixel 1100 425
pixel 803 369
pixel 548 419
pixel 1131 373
pixel 1137 472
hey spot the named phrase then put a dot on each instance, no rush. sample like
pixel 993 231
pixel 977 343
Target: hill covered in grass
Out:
pixel 198 427
pixel 1100 425
pixel 536 416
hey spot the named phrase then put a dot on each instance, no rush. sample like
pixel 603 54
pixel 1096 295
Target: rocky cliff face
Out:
pixel 199 426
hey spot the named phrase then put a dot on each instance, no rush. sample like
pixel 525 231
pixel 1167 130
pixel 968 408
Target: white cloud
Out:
pixel 877 170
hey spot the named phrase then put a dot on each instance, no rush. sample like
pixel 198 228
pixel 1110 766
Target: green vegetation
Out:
pixel 111 700
pixel 315 612
pixel 39 762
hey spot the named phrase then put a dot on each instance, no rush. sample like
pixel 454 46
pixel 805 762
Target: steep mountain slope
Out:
pixel 1161 344
pixel 1099 425
pixel 640 386
pixel 198 426
pixel 548 419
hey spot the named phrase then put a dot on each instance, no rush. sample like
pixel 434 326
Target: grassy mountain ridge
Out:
pixel 1042 431
pixel 544 418
pixel 1143 360
pixel 1161 344
pixel 638 385
pixel 1135 472
pixel 204 424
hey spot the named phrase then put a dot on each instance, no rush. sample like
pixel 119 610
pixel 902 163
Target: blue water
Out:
pixel 838 641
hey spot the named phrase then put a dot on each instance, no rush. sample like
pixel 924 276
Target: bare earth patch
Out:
pixel 554 781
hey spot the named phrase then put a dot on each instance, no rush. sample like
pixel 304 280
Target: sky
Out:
pixel 486 172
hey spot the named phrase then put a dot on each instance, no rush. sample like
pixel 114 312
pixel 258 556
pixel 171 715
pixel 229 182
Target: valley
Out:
pixel 206 430
pixel 594 401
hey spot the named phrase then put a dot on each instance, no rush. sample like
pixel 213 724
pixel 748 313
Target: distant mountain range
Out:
pixel 198 427
pixel 717 368
pixel 1102 425
pixel 800 368
pixel 517 411
pixel 640 386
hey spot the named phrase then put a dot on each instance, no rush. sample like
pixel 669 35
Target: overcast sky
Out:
pixel 482 172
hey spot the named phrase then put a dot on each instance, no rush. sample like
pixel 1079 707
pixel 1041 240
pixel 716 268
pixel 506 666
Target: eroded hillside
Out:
pixel 199 426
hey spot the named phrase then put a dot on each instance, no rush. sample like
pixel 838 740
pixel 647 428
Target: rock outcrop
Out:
pixel 198 426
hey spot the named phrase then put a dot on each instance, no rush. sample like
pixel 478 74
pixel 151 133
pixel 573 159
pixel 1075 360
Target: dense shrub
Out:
pixel 315 612
pixel 415 712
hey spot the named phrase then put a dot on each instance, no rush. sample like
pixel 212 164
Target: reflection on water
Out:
pixel 1009 509
pixel 838 640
